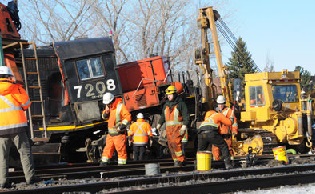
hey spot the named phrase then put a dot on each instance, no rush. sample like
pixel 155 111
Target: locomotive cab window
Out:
pixel 257 97
pixel 89 68
pixel 287 93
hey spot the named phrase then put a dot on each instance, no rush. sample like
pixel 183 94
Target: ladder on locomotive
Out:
pixel 31 69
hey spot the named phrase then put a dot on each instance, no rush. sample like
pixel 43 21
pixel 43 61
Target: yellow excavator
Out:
pixel 273 113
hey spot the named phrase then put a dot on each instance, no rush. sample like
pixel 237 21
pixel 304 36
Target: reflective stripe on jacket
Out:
pixel 118 115
pixel 140 130
pixel 13 101
pixel 229 113
pixel 172 116
pixel 215 119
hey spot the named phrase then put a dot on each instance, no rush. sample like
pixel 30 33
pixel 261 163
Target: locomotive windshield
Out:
pixel 286 93
pixel 90 68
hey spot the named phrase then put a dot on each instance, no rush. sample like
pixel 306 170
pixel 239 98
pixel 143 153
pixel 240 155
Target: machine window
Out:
pixel 257 97
pixel 286 93
pixel 89 68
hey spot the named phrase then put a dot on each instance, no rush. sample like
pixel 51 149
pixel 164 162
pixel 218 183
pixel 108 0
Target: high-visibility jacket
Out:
pixel 175 114
pixel 171 110
pixel 13 102
pixel 172 116
pixel 140 131
pixel 215 119
pixel 118 115
pixel 229 113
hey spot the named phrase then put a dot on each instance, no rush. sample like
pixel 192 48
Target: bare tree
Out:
pixel 110 20
pixel 58 20
pixel 269 64
pixel 138 28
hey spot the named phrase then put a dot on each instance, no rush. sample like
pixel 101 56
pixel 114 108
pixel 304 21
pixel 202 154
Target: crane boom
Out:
pixel 206 20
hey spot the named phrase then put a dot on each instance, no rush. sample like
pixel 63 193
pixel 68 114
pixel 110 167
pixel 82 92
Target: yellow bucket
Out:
pixel 280 154
pixel 203 160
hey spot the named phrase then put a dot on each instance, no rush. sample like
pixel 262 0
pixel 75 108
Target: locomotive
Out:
pixel 66 94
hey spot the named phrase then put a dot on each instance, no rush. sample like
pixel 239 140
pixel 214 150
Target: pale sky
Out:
pixel 281 30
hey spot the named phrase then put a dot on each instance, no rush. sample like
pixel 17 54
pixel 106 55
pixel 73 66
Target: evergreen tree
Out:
pixel 241 62
pixel 305 76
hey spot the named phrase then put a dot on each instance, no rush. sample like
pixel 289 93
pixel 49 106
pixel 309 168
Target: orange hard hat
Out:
pixel 179 87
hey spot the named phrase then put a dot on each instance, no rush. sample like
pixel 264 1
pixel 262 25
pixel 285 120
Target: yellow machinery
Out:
pixel 206 19
pixel 274 104
pixel 274 112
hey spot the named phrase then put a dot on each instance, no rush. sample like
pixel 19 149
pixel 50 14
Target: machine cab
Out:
pixel 87 72
pixel 270 92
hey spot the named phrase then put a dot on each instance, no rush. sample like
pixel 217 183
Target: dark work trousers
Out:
pixel 138 152
pixel 207 136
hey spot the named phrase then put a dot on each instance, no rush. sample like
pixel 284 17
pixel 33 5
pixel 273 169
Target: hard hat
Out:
pixel 220 99
pixel 171 90
pixel 179 87
pixel 4 70
pixel 140 115
pixel 108 98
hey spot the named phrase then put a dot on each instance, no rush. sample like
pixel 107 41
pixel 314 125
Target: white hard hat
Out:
pixel 108 98
pixel 140 116
pixel 220 99
pixel 4 70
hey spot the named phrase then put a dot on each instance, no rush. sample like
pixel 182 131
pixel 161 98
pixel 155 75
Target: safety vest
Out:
pixel 140 132
pixel 209 121
pixel 12 114
pixel 113 130
pixel 229 113
pixel 172 117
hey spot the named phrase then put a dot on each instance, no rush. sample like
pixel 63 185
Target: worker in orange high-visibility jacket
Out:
pixel 227 132
pixel 140 132
pixel 208 135
pixel 176 117
pixel 118 119
pixel 14 101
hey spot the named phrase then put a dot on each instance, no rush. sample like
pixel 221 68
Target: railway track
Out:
pixel 90 178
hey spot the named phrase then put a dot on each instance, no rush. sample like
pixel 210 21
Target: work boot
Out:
pixel 102 164
pixel 5 186
pixel 34 180
pixel 176 163
pixel 228 164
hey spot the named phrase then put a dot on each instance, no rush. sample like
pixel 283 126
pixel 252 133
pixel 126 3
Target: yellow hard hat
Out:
pixel 171 90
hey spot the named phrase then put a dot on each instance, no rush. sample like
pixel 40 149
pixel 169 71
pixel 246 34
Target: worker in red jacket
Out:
pixel 176 117
pixel 14 101
pixel 208 135
pixel 118 119
pixel 140 132
pixel 227 132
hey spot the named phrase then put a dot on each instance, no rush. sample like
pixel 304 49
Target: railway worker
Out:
pixel 118 119
pixel 13 127
pixel 227 132
pixel 176 117
pixel 208 135
pixel 141 133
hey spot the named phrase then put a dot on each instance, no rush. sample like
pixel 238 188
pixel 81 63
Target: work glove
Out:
pixel 232 120
pixel 151 142
pixel 121 127
pixel 104 116
pixel 154 131
pixel 158 127
pixel 105 113
pixel 182 131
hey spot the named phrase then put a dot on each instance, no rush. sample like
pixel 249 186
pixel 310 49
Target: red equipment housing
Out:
pixel 140 81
